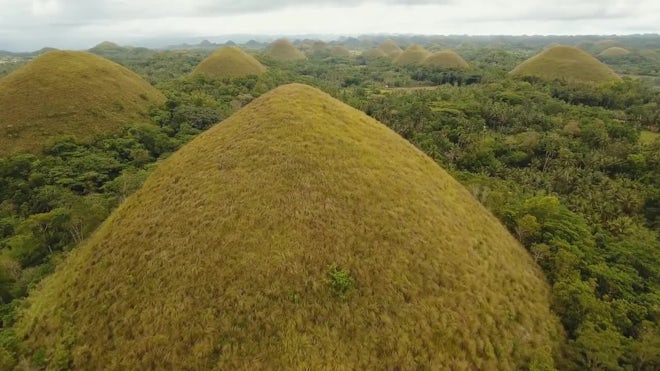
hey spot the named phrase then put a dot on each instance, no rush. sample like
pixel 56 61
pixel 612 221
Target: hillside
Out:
pixel 414 55
pixel 566 63
pixel 283 50
pixel 339 51
pixel 446 59
pixel 297 234
pixel 229 62
pixel 69 93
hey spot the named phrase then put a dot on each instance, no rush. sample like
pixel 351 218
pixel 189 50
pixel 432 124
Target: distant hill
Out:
pixel 298 234
pixel 414 55
pixel 390 48
pixel 614 51
pixel 566 63
pixel 283 50
pixel 339 51
pixel 69 93
pixel 446 59
pixel 229 62
pixel 374 53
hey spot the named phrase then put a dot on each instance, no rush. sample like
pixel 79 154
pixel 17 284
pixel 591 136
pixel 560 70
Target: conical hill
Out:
pixel 229 62
pixel 566 63
pixel 69 93
pixel 283 50
pixel 298 234
pixel 446 59
pixel 414 55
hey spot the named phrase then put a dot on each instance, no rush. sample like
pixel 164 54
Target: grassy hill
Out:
pixel 298 234
pixel 283 50
pixel 229 62
pixel 446 59
pixel 414 55
pixel 390 48
pixel 566 63
pixel 69 93
pixel 614 51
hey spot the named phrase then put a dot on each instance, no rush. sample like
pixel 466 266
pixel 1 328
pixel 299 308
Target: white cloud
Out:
pixel 82 23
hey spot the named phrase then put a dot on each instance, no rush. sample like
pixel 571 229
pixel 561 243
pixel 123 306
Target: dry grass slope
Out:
pixel 446 59
pixel 229 62
pixel 283 50
pixel 221 260
pixel 614 51
pixel 566 63
pixel 69 93
pixel 414 55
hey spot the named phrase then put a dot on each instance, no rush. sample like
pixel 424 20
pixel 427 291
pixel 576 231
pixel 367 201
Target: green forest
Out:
pixel 571 169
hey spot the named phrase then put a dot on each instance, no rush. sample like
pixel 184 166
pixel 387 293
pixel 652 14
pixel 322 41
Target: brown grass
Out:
pixel 283 50
pixel 69 93
pixel 222 259
pixel 566 63
pixel 446 59
pixel 229 62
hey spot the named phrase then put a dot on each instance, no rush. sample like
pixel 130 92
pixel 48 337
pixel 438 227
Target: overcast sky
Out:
pixel 80 24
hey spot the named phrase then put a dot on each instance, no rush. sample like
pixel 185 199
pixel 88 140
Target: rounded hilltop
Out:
pixel 69 93
pixel 414 55
pixel 390 48
pixel 283 50
pixel 446 59
pixel 614 51
pixel 229 62
pixel 299 233
pixel 566 63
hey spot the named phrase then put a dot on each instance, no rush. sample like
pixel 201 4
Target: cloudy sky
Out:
pixel 80 24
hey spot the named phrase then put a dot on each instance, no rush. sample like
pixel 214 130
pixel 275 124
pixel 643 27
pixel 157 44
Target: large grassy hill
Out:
pixel 69 93
pixel 298 234
pixel 566 63
pixel 414 55
pixel 446 59
pixel 229 62
pixel 283 50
